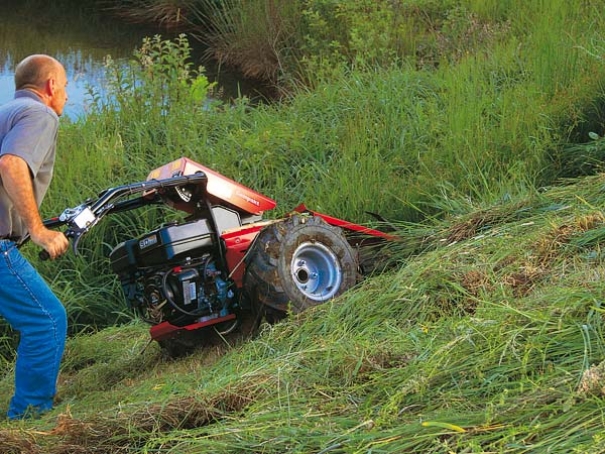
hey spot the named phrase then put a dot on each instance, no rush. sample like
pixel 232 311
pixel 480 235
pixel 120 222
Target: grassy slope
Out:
pixel 477 344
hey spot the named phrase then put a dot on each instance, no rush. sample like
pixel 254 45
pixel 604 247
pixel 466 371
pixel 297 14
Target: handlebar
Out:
pixel 81 219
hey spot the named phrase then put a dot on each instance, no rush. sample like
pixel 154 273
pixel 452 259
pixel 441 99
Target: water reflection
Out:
pixel 77 38
pixel 82 70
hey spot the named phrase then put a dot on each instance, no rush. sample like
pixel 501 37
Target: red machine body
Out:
pixel 220 189
pixel 238 239
pixel 223 259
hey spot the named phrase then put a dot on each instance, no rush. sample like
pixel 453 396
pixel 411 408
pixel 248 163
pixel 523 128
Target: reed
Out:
pixel 173 15
pixel 256 36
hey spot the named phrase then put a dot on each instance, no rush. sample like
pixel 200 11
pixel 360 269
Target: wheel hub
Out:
pixel 316 271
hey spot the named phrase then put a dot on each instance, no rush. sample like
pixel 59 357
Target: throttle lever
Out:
pixel 80 219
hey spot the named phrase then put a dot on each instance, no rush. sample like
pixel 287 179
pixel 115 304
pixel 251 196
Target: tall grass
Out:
pixel 257 37
pixel 482 337
pixel 487 121
pixel 479 344
pixel 514 85
pixel 410 141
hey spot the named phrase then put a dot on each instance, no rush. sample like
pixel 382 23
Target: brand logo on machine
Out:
pixel 149 241
pixel 248 199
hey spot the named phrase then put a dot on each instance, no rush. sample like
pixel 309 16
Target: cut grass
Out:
pixel 448 352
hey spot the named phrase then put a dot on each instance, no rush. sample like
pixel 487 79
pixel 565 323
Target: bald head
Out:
pixel 44 76
pixel 34 71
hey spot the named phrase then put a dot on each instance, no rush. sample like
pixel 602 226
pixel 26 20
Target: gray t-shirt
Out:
pixel 28 129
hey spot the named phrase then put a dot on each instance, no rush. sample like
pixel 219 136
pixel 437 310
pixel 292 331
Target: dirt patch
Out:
pixel 18 442
pixel 524 281
pixel 593 381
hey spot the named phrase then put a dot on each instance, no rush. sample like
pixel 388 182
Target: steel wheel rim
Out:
pixel 316 271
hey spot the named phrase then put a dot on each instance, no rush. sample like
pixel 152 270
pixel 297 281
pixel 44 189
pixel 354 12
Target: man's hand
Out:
pixel 55 243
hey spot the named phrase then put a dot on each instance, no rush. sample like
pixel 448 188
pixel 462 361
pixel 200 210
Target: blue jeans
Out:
pixel 31 308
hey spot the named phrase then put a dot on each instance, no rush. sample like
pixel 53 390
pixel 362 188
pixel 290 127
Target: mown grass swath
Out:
pixel 457 127
pixel 478 344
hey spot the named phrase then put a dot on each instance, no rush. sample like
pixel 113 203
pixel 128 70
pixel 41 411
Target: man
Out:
pixel 28 133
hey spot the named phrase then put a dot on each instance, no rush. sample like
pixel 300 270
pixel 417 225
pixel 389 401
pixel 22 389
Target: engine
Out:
pixel 171 274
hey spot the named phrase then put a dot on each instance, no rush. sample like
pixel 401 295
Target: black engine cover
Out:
pixel 163 246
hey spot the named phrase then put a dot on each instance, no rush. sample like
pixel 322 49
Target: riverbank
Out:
pixel 479 140
pixel 410 144
pixel 489 340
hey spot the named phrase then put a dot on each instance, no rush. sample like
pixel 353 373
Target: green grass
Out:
pixel 477 344
pixel 482 335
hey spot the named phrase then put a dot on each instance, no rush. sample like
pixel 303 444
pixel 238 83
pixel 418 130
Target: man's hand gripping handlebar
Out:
pixel 82 218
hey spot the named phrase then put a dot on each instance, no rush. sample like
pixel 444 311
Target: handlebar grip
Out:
pixel 69 234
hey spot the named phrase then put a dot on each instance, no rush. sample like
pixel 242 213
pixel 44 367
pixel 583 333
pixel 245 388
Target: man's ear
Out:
pixel 51 86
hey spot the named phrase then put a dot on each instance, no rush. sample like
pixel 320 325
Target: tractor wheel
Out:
pixel 298 263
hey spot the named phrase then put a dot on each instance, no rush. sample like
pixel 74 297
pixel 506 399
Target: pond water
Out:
pixel 81 41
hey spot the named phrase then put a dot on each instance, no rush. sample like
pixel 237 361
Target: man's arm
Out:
pixel 17 183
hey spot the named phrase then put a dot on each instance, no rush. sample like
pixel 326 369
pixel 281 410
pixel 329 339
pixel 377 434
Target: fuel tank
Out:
pixel 222 190
pixel 163 246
